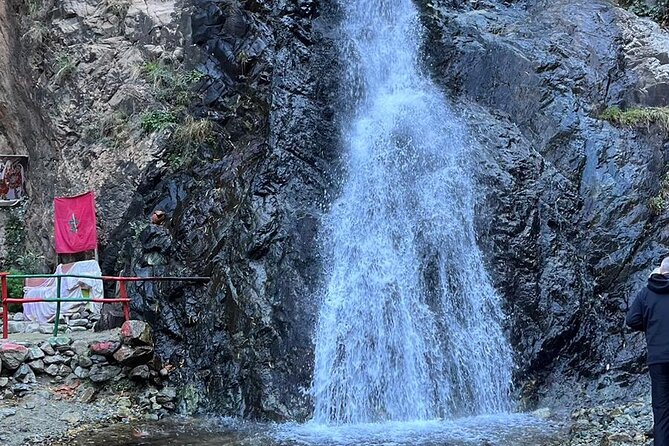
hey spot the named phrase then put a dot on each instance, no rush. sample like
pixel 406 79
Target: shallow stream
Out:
pixel 497 430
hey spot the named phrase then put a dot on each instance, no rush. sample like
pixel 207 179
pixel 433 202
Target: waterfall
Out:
pixel 410 325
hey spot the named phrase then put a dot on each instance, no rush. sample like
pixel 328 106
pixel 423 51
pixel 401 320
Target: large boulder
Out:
pixel 133 356
pixel 136 333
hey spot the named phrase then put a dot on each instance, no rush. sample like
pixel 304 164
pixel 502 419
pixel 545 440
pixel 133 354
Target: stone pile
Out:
pixel 81 320
pixel 625 425
pixel 84 368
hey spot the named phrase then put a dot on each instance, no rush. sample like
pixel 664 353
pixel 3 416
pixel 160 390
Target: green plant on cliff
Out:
pixel 15 234
pixel 187 138
pixel 656 10
pixel 111 130
pixel 117 7
pixel 194 131
pixel 29 262
pixel 35 8
pixel 638 117
pixel 158 74
pixel 157 120
pixel 37 34
pixel 65 67
pixel 659 202
pixel 171 84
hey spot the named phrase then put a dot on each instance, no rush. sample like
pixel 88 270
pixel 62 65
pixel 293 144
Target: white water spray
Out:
pixel 410 325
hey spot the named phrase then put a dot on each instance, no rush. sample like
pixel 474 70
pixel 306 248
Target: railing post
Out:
pixel 57 321
pixel 123 294
pixel 5 306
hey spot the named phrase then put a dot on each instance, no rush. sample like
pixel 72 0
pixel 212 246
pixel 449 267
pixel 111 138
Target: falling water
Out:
pixel 409 327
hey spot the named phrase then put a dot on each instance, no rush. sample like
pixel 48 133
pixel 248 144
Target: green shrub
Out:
pixel 30 262
pixel 157 120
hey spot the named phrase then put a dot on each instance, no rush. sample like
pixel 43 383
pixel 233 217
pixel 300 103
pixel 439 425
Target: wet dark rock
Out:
pixel 141 372
pixel 133 356
pixel 246 214
pixel 567 228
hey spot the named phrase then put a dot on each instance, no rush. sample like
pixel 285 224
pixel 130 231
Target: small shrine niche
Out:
pixel 13 180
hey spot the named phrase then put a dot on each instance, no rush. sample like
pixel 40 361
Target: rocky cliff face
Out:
pixel 566 216
pixel 224 115
pixel 220 114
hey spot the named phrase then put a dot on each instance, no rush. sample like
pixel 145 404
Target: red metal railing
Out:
pixel 122 297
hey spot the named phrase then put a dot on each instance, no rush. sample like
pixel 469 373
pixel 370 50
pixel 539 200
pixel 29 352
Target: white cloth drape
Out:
pixel 69 289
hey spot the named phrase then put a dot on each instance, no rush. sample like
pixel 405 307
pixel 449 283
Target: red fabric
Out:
pixel 75 223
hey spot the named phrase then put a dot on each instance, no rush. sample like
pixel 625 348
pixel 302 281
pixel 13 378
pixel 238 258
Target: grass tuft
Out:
pixel 65 67
pixel 158 74
pixel 658 203
pixel 638 117
pixel 37 33
pixel 194 131
pixel 171 85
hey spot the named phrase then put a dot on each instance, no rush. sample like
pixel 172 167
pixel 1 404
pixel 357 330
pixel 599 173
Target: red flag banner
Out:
pixel 75 223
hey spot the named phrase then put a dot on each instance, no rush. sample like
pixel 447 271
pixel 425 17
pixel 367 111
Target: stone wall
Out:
pixel 85 367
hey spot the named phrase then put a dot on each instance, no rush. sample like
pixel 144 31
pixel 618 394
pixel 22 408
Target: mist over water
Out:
pixel 410 325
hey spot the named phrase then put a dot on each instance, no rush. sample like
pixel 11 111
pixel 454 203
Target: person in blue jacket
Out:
pixel 649 313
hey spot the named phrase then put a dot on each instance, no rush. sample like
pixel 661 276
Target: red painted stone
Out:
pixel 12 355
pixel 11 347
pixel 105 348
